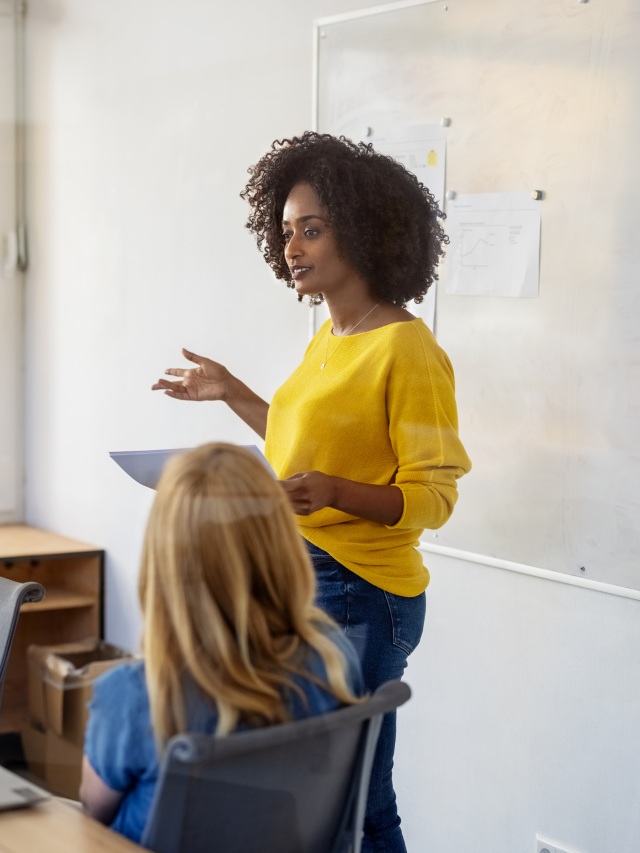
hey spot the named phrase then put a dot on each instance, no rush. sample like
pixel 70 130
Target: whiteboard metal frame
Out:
pixel 532 571
pixel 372 10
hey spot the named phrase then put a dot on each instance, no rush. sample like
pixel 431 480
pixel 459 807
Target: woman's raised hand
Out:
pixel 207 381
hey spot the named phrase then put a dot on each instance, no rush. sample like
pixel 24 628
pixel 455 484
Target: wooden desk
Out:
pixel 56 826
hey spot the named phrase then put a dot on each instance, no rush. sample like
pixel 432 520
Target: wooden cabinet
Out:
pixel 72 574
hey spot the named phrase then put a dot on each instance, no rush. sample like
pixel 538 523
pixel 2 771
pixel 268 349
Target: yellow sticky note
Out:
pixel 432 158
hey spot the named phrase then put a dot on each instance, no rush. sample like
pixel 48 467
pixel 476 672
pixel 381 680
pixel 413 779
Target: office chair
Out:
pixel 12 596
pixel 299 787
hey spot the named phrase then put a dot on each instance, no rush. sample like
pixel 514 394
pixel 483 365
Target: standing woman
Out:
pixel 364 433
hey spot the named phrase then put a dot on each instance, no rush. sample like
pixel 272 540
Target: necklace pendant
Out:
pixel 322 365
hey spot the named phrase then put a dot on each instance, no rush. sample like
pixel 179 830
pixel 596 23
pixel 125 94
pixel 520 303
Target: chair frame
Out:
pixel 12 596
pixel 191 755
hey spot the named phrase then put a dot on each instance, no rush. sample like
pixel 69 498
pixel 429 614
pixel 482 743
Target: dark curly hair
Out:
pixel 386 223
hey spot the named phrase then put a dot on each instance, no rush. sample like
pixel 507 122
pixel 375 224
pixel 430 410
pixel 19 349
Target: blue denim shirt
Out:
pixel 119 740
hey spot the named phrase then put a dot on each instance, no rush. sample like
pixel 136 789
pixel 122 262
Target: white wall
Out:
pixel 144 117
pixel 525 716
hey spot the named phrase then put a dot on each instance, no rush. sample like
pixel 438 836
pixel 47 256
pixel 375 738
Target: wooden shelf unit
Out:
pixel 72 574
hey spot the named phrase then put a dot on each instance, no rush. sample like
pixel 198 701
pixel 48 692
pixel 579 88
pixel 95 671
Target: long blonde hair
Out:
pixel 227 589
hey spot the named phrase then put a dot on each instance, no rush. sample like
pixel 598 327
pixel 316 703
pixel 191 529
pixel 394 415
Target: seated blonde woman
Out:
pixel 231 639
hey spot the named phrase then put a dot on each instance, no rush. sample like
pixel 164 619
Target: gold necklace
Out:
pixel 328 355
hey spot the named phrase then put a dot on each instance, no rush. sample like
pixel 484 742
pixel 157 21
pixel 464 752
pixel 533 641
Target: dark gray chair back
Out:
pixel 12 596
pixel 300 787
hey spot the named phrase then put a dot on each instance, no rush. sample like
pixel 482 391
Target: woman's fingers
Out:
pixel 178 393
pixel 308 491
pixel 165 385
pixel 191 356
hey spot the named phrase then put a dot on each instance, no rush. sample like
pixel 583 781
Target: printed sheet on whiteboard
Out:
pixel 422 149
pixel 494 247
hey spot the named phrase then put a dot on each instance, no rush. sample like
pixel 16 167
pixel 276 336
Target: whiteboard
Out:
pixel 541 95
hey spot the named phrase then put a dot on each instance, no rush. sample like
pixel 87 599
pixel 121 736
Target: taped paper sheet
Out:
pixel 422 149
pixel 495 245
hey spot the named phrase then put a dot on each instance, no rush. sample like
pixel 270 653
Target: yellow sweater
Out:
pixel 382 411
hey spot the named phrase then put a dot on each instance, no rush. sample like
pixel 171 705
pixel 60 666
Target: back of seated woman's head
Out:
pixel 226 588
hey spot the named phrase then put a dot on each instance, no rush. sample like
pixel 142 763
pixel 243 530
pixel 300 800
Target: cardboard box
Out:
pixel 54 760
pixel 60 684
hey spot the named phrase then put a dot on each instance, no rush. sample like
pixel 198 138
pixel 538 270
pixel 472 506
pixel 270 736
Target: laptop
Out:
pixel 16 792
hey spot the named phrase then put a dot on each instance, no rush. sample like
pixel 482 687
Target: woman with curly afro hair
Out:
pixel 364 434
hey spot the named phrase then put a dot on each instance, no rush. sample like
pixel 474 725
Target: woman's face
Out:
pixel 311 250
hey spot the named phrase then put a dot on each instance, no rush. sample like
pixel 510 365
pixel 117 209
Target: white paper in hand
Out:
pixel 145 466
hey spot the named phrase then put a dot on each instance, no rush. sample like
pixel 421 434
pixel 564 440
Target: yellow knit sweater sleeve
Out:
pixel 423 428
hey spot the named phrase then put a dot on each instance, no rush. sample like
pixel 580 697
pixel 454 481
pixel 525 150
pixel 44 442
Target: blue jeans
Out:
pixel 384 629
